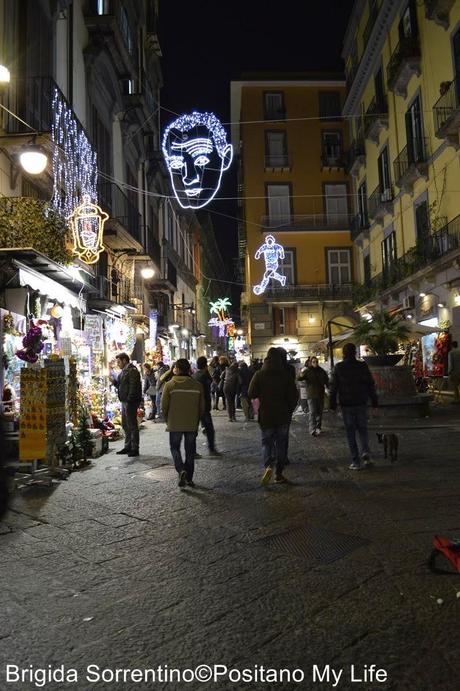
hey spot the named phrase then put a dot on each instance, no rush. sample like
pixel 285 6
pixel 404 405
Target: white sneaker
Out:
pixel 317 431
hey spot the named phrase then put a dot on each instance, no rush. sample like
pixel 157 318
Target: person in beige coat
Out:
pixel 182 404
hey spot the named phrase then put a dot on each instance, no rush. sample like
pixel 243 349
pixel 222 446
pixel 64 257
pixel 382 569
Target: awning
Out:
pixel 46 286
pixel 417 330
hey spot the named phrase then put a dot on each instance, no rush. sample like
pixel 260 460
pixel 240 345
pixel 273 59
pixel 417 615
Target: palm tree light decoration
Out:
pixel 222 320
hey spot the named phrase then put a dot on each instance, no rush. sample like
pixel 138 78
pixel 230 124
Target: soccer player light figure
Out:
pixel 272 252
pixel 196 153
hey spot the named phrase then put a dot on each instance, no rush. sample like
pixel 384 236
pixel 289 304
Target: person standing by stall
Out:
pixel 129 387
pixel 150 388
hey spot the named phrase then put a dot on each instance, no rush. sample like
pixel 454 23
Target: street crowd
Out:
pixel 183 400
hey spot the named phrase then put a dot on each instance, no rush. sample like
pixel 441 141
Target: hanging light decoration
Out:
pixel 87 224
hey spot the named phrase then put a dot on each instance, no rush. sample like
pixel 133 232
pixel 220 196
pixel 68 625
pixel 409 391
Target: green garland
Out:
pixel 27 222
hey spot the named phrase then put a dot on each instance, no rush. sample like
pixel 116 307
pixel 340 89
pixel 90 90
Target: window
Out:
pixel 339 265
pixel 336 205
pixel 102 7
pixel 414 133
pixel 408 24
pixel 125 29
pixel 379 85
pixel 362 206
pixel 274 105
pixel 332 148
pixel 384 175
pixel 422 223
pixel 329 105
pixel 389 254
pixel 285 321
pixel 101 142
pixel 367 268
pixel 276 149
pixel 287 268
pixel 279 204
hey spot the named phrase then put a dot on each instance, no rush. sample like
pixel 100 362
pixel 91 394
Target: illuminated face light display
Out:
pixel 272 253
pixel 222 321
pixel 87 224
pixel 196 153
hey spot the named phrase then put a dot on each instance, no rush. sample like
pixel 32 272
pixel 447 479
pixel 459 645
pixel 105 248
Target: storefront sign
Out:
pixel 93 329
pixel 153 326
pixel 259 326
pixel 427 307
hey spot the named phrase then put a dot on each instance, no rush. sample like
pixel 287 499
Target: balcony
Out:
pixel 359 229
pixel 318 292
pixel 356 157
pixel 380 203
pixel 404 62
pixel 288 223
pixel 444 244
pixel 446 112
pixel 108 19
pixel 275 114
pixel 411 164
pixel 277 163
pixel 138 93
pixel 333 160
pixel 124 216
pixel 376 119
pixel 438 11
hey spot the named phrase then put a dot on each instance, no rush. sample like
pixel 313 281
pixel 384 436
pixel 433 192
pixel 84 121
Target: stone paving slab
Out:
pixel 116 566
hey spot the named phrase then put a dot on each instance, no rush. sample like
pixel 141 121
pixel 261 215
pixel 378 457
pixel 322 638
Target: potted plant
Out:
pixel 382 334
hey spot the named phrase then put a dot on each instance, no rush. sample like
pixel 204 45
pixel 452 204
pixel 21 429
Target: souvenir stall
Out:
pixel 12 331
pixel 120 337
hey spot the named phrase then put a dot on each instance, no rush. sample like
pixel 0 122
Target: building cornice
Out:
pixel 371 55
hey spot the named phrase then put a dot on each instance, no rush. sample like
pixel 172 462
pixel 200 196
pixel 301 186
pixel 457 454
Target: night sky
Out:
pixel 207 43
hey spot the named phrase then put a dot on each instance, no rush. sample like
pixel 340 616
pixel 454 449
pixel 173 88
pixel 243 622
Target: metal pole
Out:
pixel 330 344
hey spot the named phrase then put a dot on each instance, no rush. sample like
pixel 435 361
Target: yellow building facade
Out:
pixel 291 142
pixel 403 105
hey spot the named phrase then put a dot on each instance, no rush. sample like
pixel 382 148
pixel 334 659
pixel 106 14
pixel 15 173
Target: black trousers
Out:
pixel 207 423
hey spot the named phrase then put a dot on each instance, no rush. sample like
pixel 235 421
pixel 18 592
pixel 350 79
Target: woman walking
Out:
pixel 150 388
pixel 244 379
pixel 316 379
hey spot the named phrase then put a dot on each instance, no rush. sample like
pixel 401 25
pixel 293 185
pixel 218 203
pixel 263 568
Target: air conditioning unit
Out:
pixel 409 302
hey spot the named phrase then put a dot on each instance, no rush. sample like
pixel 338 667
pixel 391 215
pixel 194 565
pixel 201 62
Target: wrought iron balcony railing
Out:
pixel 277 162
pixel 411 162
pixel 358 225
pixel 286 222
pixel 446 110
pixel 431 248
pixel 380 202
pixel 315 291
pixel 356 156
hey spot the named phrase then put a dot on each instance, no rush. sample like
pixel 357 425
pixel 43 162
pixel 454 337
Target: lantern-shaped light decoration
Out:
pixel 87 224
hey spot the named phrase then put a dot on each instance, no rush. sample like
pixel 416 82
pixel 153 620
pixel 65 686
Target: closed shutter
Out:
pixel 290 321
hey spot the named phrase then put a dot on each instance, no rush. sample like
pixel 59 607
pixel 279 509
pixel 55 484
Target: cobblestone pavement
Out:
pixel 119 568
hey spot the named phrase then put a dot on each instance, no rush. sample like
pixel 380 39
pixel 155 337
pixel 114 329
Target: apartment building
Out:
pixel 402 64
pixel 295 248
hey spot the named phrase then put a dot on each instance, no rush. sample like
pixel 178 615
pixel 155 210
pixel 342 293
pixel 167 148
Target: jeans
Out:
pixel 207 423
pixel 175 439
pixel 129 424
pixel 355 419
pixel 274 446
pixel 247 408
pixel 158 402
pixel 315 412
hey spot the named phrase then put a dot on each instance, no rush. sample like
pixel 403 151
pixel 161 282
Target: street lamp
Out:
pixel 33 159
pixel 4 75
pixel 147 273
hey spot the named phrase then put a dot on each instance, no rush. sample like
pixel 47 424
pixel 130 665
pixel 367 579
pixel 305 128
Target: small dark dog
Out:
pixel 390 445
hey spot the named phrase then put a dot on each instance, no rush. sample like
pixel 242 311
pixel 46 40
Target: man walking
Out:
pixel 277 392
pixel 129 387
pixel 316 379
pixel 182 404
pixel 352 382
pixel 453 370
pixel 203 376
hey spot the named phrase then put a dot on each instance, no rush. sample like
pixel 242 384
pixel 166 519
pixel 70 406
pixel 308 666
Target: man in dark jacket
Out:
pixel 129 387
pixel 316 379
pixel 352 382
pixel 230 383
pixel 277 393
pixel 203 376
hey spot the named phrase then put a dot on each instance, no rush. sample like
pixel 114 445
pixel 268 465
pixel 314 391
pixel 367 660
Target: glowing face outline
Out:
pixel 272 252
pixel 196 153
